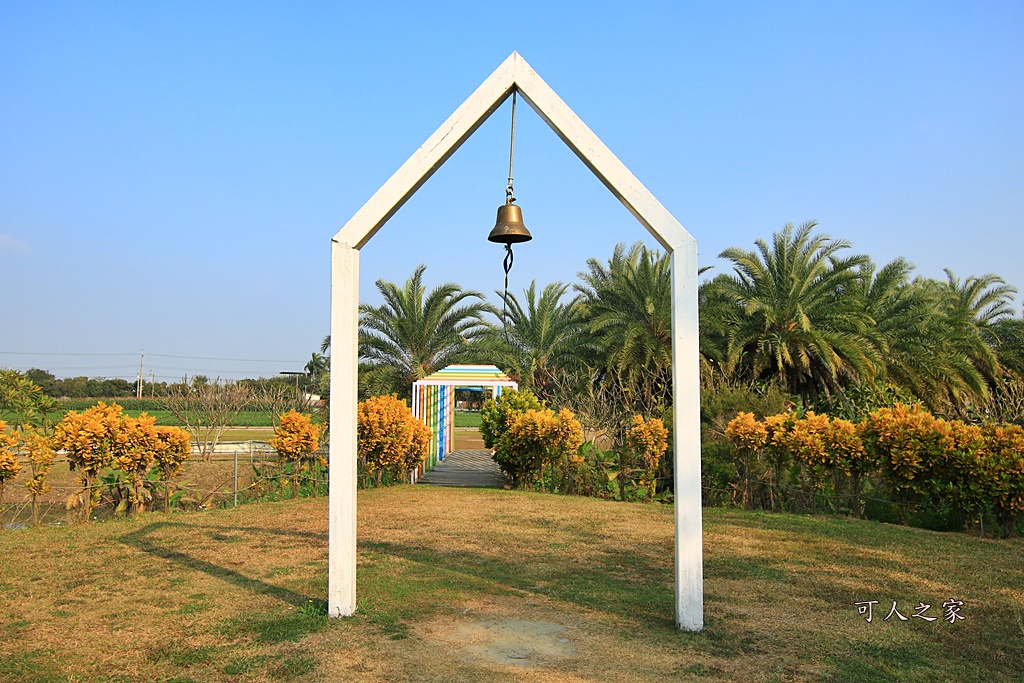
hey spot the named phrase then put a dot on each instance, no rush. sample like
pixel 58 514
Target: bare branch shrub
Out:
pixel 276 399
pixel 605 403
pixel 1007 403
pixel 205 410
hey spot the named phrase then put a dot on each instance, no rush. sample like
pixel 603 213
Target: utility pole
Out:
pixel 298 392
pixel 152 384
pixel 138 388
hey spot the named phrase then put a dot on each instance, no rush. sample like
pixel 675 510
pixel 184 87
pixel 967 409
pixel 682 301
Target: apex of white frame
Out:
pixel 513 74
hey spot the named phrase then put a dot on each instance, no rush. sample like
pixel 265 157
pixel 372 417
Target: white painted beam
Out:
pixel 341 535
pixel 598 158
pixel 689 559
pixel 431 155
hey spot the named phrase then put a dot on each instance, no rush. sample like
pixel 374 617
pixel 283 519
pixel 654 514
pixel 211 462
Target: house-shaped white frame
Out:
pixel 515 74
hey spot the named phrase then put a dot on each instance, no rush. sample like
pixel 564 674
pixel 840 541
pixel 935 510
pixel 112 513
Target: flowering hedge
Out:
pixel 390 438
pixel 102 436
pixel 917 457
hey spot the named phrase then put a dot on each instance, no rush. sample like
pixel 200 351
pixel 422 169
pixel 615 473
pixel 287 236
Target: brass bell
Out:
pixel 509 228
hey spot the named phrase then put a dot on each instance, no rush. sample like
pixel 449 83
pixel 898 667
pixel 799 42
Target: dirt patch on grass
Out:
pixel 516 642
pixel 467 438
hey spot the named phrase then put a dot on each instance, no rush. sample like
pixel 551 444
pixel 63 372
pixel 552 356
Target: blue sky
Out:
pixel 171 173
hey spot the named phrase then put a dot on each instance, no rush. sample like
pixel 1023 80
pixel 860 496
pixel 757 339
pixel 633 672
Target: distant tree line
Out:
pixel 100 387
pixel 80 387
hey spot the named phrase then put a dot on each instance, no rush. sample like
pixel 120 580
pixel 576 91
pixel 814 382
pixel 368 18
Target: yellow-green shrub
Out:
pixel 135 444
pixel 296 438
pixel 38 448
pixel 390 438
pixel 746 433
pixel 747 437
pixel 174 447
pixel 807 441
pixel 102 436
pixel 88 439
pixel 9 465
pixel 645 443
pixel 850 457
pixel 495 414
pixel 533 439
pixel 1004 473
pixel 948 464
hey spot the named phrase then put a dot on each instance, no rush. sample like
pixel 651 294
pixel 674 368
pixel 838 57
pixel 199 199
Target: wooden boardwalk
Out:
pixel 468 468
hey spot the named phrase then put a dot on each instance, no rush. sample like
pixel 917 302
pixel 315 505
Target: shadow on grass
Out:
pixel 634 586
pixel 139 539
pixel 264 530
pixel 624 584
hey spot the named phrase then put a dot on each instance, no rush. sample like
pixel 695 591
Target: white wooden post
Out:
pixel 341 537
pixel 689 558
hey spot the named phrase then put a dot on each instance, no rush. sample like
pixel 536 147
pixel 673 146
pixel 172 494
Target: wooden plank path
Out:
pixel 468 468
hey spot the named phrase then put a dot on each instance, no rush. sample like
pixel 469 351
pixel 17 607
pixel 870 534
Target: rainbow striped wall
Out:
pixel 433 401
pixel 435 406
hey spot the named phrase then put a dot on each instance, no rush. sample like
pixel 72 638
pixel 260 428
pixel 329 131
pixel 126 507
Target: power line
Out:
pixel 238 360
pixel 53 353
pixel 82 368
pixel 156 355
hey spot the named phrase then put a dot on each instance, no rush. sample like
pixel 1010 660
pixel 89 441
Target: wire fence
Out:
pixel 236 473
pixel 241 472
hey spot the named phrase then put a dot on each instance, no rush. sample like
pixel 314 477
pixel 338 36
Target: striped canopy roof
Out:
pixel 469 375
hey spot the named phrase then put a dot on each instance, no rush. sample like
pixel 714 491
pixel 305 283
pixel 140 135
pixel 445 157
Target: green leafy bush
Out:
pixel 495 414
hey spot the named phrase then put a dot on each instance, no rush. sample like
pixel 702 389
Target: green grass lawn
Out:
pixel 468 419
pixel 247 434
pixel 488 585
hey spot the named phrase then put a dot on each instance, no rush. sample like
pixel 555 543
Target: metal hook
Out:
pixel 509 192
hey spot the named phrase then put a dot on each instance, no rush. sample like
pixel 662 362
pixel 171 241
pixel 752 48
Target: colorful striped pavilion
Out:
pixel 433 401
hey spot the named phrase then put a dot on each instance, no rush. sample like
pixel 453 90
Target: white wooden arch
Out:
pixel 515 74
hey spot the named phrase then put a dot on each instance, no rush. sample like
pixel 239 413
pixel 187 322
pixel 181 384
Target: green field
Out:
pixel 503 586
pixel 471 419
pixel 246 418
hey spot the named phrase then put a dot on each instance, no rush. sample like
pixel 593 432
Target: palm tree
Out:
pixel 317 367
pixel 798 322
pixel 1008 339
pixel 414 333
pixel 719 313
pixel 541 337
pixel 628 308
pixel 974 307
pixel 919 345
